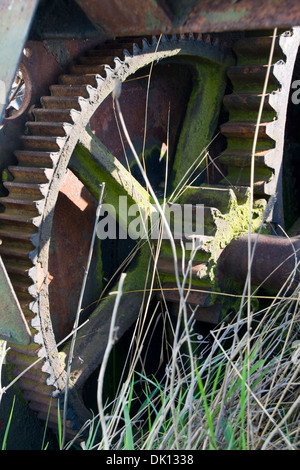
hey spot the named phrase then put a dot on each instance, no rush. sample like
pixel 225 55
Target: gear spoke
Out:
pixel 93 164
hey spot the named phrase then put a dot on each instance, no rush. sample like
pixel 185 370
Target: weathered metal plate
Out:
pixel 116 18
pixel 15 21
pixel 13 326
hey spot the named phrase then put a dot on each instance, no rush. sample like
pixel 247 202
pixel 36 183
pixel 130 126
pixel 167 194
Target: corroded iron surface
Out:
pixel 132 17
pixel 274 265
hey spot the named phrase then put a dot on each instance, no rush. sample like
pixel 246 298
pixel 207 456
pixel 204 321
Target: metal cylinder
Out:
pixel 274 262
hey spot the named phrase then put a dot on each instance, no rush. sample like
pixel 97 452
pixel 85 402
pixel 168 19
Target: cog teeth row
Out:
pixel 247 79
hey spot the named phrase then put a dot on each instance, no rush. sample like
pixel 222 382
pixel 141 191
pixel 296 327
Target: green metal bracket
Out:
pixel 13 326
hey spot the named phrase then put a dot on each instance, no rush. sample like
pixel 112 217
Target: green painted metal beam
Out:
pixel 13 325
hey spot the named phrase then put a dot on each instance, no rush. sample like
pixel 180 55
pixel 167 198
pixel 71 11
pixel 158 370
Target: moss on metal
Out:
pixel 201 118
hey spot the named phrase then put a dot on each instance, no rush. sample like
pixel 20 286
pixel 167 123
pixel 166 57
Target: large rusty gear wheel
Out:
pixel 60 131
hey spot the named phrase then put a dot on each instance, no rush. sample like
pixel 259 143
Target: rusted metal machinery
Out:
pixel 208 65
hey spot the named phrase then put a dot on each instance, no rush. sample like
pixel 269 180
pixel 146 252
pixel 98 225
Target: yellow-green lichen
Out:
pixel 231 226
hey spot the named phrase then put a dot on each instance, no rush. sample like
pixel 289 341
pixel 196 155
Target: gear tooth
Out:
pixel 42 143
pixel 244 77
pixel 97 60
pixel 71 90
pixel 79 80
pixel 93 69
pixel 31 175
pixel 206 38
pixel 244 129
pixel 242 158
pixel 215 41
pixel 52 129
pixel 109 72
pixel 154 40
pixel 33 158
pixel 30 189
pixel 256 49
pixel 56 115
pixel 63 102
pixel 147 42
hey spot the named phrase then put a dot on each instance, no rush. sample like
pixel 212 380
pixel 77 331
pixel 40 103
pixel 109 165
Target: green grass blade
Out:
pixel 8 426
pixel 207 411
pixel 59 426
pixel 128 438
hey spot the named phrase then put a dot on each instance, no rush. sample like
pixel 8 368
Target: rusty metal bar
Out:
pixel 119 18
pixel 238 15
pixel 274 261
